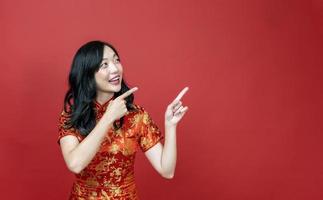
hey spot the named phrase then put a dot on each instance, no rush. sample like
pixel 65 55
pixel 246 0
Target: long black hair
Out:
pixel 82 88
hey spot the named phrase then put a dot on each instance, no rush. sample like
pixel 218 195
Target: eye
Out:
pixel 104 65
pixel 117 60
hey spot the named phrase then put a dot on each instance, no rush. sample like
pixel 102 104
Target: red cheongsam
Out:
pixel 110 174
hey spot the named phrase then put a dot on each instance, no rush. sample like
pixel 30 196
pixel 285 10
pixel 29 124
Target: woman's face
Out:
pixel 108 77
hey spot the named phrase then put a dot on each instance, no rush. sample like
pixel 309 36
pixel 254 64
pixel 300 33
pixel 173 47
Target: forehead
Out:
pixel 108 52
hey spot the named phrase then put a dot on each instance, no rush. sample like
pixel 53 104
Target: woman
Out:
pixel 101 127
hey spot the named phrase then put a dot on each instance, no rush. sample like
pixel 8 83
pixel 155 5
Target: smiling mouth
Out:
pixel 116 78
pixel 115 81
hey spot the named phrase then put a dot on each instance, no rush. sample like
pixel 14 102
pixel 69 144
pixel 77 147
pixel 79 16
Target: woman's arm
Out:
pixel 163 158
pixel 78 155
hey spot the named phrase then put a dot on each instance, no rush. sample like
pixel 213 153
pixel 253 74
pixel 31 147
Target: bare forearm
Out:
pixel 82 155
pixel 169 155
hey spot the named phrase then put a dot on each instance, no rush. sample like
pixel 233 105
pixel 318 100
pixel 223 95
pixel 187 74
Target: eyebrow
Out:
pixel 114 55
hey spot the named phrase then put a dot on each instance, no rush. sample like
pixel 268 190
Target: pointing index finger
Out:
pixel 129 92
pixel 181 94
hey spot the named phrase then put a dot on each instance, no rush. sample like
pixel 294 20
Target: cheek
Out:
pixel 99 78
pixel 101 74
pixel 120 69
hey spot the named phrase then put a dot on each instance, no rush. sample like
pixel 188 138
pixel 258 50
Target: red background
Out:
pixel 254 68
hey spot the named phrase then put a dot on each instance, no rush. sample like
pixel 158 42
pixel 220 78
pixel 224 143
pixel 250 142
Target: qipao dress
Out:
pixel 110 174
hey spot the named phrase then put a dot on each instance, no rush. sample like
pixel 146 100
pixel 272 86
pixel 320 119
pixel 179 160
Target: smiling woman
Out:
pixel 101 128
pixel 94 65
pixel 110 70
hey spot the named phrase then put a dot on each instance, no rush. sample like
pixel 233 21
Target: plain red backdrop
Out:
pixel 254 125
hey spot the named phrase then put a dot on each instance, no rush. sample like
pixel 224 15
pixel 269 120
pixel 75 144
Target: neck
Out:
pixel 103 97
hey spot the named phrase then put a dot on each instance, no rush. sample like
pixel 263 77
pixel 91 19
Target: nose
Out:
pixel 113 68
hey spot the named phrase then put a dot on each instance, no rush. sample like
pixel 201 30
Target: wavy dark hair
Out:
pixel 82 88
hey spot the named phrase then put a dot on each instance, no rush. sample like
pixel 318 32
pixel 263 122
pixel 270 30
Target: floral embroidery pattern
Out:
pixel 110 174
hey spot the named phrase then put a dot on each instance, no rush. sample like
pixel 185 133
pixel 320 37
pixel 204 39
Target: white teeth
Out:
pixel 114 79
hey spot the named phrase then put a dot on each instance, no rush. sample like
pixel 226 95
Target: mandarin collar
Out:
pixel 102 107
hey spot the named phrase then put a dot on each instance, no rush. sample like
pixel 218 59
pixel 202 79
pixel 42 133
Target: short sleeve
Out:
pixel 63 131
pixel 150 134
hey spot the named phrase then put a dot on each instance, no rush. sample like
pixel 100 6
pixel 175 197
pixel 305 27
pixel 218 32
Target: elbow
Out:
pixel 75 170
pixel 74 167
pixel 168 175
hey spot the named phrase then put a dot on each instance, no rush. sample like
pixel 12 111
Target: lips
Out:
pixel 116 78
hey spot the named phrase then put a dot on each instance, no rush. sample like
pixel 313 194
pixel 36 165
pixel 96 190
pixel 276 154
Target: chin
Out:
pixel 115 88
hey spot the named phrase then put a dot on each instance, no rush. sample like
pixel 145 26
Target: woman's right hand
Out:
pixel 117 108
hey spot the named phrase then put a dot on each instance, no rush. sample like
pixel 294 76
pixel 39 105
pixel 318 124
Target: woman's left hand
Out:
pixel 175 110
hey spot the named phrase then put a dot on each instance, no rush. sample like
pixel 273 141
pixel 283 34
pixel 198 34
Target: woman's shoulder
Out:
pixel 139 112
pixel 139 109
pixel 142 113
pixel 65 117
